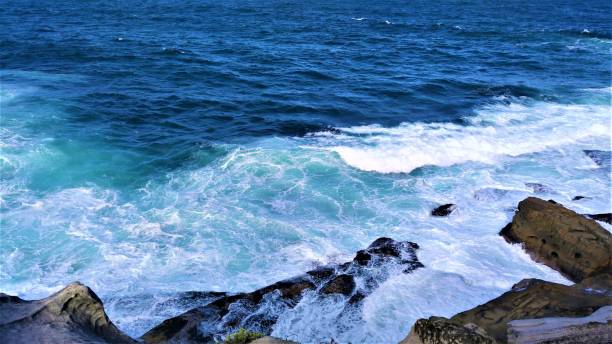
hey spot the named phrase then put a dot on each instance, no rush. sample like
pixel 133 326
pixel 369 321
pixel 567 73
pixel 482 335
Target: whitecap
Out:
pixel 493 133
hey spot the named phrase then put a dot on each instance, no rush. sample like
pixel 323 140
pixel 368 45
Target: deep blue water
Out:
pixel 152 147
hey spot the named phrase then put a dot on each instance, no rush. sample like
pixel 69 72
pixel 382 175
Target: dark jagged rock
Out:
pixel 437 330
pixel 252 311
pixel 444 210
pixel 605 217
pixel 341 284
pixel 578 198
pixel 75 314
pixel 566 241
pixel 533 298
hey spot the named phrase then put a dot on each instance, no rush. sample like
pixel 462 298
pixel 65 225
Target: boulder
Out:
pixel 533 298
pixel 259 310
pixel 436 330
pixel 574 245
pixel 341 284
pixel 593 329
pixel 444 210
pixel 75 314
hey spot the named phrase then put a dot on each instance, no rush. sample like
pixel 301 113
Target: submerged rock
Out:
pixel 259 310
pixel 605 217
pixel 533 298
pixel 437 330
pixel 444 210
pixel 539 188
pixel 593 329
pixel 494 194
pixel 75 314
pixel 566 241
pixel 600 157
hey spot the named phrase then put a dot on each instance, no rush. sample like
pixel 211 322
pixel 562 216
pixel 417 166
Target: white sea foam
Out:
pixel 278 207
pixel 495 132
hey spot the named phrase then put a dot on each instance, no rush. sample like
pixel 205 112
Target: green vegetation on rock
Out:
pixel 242 336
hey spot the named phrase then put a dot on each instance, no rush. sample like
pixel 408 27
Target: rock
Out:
pixel 560 238
pixel 444 210
pixel 271 340
pixel 578 198
pixel 341 284
pixel 593 329
pixel 605 217
pixel 533 298
pixel 75 314
pixel 259 310
pixel 436 330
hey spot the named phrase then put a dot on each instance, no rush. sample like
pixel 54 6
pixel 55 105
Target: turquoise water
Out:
pixel 149 150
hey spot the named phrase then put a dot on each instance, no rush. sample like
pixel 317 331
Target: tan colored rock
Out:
pixel 574 245
pixel 271 340
pixel 75 314
pixel 532 298
pixel 437 330
pixel 593 329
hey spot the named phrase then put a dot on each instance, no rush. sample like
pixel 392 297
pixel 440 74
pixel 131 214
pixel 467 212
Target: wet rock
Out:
pixel 259 310
pixel 605 217
pixel 321 273
pixel 75 314
pixel 533 298
pixel 444 210
pixel 437 330
pixel 362 257
pixel 593 329
pixel 341 284
pixel 578 198
pixel 560 238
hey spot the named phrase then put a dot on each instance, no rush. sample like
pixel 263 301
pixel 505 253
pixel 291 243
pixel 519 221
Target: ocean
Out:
pixel 150 148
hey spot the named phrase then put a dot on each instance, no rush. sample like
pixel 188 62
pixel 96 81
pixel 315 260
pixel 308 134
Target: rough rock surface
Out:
pixel 73 315
pixel 444 210
pixel 436 330
pixel 533 298
pixel 593 329
pixel 210 322
pixel 574 245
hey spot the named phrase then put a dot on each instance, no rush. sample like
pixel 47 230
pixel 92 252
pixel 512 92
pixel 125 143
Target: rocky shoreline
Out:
pixel 575 245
